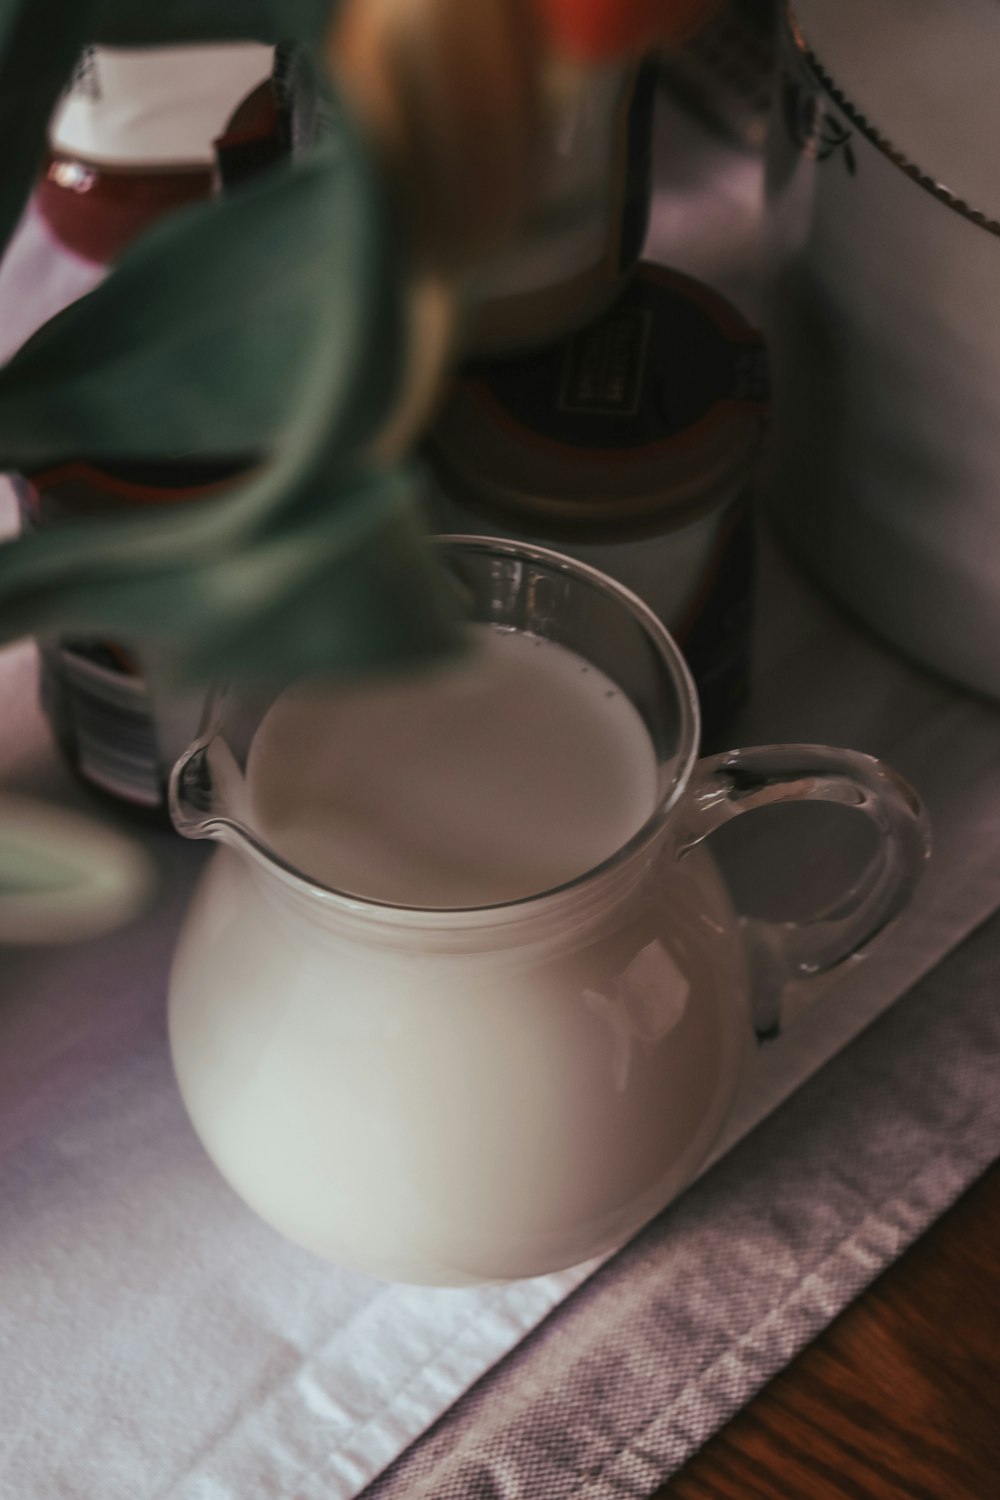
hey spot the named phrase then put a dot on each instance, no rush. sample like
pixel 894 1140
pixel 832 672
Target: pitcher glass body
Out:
pixel 465 1094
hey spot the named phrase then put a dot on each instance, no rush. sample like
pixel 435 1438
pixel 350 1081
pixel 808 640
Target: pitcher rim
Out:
pixel 226 828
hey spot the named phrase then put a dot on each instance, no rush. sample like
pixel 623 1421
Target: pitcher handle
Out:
pixel 723 786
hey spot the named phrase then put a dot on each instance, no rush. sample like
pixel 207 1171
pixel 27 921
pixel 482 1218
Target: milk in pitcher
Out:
pixel 476 1096
pixel 513 773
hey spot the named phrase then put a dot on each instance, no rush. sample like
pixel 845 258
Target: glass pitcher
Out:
pixel 483 1092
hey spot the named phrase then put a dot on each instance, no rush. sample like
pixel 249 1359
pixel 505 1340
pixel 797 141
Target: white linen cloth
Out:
pixel 155 1338
pixel 613 1394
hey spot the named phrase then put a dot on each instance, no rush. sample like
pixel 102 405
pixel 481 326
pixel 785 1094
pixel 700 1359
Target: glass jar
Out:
pixel 632 446
pixel 584 232
pixel 132 139
pixel 94 691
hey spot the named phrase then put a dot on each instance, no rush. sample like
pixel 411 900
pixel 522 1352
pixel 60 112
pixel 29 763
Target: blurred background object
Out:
pixel 884 204
pixel 218 434
pixel 117 732
pixel 594 30
pixel 308 314
pixel 724 72
pixel 132 138
pixel 65 877
pixel 634 446
pixel 583 229
pixel 138 134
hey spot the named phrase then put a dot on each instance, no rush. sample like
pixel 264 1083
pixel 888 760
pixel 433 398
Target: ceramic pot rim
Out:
pixel 875 137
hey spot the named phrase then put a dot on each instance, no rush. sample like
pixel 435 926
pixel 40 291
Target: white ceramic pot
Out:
pixel 496 1090
pixel 885 322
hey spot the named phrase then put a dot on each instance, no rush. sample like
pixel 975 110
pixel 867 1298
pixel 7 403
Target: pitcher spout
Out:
pixel 192 803
pixel 207 793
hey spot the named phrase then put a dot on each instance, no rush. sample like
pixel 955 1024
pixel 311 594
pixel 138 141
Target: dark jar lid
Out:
pixel 87 487
pixel 647 418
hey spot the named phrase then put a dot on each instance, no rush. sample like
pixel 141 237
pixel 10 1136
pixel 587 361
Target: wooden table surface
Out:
pixel 899 1399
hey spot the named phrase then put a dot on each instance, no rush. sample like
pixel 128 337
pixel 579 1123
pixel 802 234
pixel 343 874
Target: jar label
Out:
pixel 102 716
pixel 95 697
pixel 603 368
pixel 649 370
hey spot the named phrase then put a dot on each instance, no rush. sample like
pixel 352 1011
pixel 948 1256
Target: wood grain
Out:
pixel 899 1399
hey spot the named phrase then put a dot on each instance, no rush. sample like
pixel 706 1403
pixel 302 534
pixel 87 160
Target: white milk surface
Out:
pixel 514 772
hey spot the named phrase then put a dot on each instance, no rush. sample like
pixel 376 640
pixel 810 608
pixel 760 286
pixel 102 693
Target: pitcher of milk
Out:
pixel 462 996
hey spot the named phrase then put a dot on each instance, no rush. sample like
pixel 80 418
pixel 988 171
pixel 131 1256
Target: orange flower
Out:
pixel 593 30
pixel 452 94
